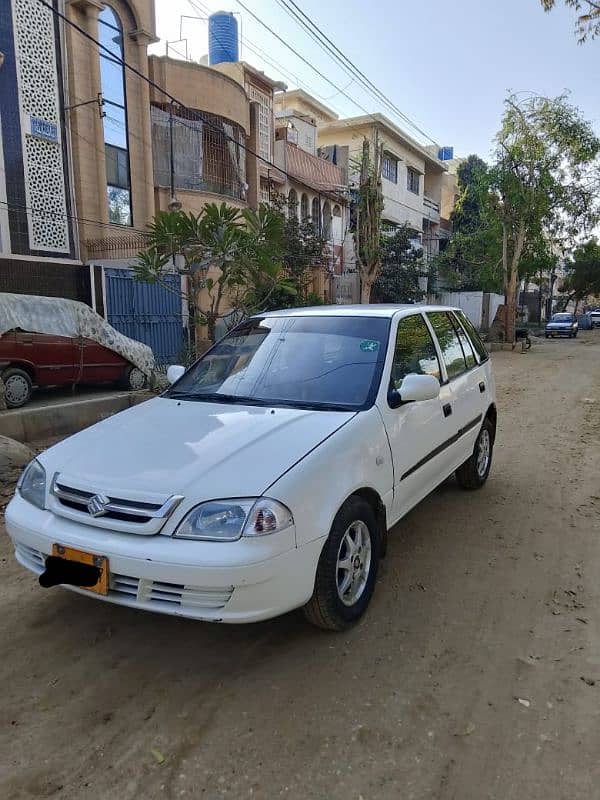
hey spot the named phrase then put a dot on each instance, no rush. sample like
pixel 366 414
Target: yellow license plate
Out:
pixel 81 557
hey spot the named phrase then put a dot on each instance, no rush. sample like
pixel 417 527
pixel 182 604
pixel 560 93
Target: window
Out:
pixel 292 204
pixel 474 337
pixel 452 352
pixel 467 347
pixel 326 220
pixel 265 119
pixel 112 77
pixel 412 180
pixel 415 351
pixel 304 215
pixel 389 168
pixel 316 215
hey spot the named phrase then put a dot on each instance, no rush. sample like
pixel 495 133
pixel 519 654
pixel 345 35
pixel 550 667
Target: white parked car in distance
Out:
pixel 267 476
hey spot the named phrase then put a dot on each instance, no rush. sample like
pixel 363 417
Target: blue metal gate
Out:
pixel 147 312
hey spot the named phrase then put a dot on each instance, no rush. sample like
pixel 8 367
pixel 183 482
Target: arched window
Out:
pixel 337 211
pixel 326 220
pixel 116 146
pixel 316 215
pixel 292 204
pixel 304 215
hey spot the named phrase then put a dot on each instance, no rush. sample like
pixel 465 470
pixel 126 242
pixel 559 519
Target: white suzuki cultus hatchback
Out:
pixel 267 476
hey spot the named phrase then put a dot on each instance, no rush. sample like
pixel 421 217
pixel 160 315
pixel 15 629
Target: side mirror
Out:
pixel 414 389
pixel 174 373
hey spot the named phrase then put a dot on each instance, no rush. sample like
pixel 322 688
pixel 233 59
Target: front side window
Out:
pixel 322 363
pixel 412 180
pixel 116 148
pixel 415 352
pixel 450 345
pixel 389 168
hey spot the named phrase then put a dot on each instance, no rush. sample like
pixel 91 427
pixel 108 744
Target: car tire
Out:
pixel 547 336
pixel 18 387
pixel 133 379
pixel 475 471
pixel 342 593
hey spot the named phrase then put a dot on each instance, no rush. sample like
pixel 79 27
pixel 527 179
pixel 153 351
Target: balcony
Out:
pixel 431 210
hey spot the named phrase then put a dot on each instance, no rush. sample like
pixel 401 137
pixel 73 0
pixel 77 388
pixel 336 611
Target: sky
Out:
pixel 448 67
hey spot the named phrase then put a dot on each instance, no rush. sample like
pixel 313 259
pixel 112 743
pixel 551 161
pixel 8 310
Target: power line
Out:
pixel 329 47
pixel 73 217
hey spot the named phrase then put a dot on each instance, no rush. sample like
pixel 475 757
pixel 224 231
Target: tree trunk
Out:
pixel 513 282
pixel 365 290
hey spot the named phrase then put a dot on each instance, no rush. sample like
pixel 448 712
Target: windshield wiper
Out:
pixel 215 397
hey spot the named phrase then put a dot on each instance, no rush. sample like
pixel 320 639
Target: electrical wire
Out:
pixel 347 64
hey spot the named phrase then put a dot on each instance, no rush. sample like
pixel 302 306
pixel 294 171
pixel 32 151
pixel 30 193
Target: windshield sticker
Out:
pixel 369 346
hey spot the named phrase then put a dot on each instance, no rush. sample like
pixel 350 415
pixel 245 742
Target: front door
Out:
pixel 418 432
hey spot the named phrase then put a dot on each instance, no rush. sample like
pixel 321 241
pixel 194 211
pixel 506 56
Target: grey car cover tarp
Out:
pixel 60 317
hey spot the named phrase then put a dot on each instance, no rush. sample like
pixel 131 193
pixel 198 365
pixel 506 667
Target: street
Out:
pixel 474 675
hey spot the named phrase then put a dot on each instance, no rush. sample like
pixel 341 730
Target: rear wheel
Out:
pixel 474 472
pixel 347 568
pixel 18 387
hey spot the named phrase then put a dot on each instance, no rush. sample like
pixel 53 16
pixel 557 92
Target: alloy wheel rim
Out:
pixel 353 563
pixel 16 389
pixel 483 453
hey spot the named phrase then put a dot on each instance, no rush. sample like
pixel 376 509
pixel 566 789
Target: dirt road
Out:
pixel 475 674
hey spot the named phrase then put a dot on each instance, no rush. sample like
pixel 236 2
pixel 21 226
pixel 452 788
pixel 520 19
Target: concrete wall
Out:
pixel 480 308
pixel 200 88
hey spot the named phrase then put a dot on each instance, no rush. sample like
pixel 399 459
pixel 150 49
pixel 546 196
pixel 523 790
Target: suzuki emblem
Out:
pixel 96 505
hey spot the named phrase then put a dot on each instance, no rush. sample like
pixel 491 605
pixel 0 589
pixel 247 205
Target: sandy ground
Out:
pixel 485 600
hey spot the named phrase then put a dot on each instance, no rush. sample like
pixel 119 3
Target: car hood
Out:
pixel 207 450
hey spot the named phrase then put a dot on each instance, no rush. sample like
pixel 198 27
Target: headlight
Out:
pixel 32 484
pixel 228 520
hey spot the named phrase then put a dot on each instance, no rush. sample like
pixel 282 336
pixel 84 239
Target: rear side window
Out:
pixel 467 347
pixel 415 351
pixel 474 337
pixel 450 345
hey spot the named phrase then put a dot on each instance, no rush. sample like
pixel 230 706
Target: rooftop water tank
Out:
pixel 222 38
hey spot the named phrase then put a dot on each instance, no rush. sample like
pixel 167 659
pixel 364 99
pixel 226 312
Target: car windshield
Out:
pixel 321 362
pixel 561 318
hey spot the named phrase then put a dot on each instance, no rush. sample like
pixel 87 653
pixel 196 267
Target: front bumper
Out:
pixel 561 331
pixel 243 581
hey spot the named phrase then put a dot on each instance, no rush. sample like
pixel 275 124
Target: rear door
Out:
pixel 98 364
pixel 464 380
pixel 418 432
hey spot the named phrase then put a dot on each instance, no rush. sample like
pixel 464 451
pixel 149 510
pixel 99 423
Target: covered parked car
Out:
pixel 562 324
pixel 48 341
pixel 594 317
pixel 267 476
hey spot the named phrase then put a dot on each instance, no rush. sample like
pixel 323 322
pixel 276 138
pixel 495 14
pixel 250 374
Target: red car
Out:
pixel 39 359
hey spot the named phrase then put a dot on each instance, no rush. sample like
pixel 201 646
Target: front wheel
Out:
pixel 133 379
pixel 474 472
pixel 347 568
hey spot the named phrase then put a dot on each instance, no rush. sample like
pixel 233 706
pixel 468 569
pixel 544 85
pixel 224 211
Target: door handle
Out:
pixel 482 387
pixel 447 409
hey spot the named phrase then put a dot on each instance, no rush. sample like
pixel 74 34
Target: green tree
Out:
pixel 245 247
pixel 588 16
pixel 472 259
pixel 544 183
pixel 584 274
pixel 401 267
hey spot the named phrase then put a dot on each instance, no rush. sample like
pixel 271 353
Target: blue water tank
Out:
pixel 222 38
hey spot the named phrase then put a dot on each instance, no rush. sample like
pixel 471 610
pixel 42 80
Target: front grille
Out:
pixel 115 512
pixel 154 594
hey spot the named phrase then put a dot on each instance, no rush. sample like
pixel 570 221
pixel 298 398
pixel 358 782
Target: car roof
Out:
pixel 366 310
